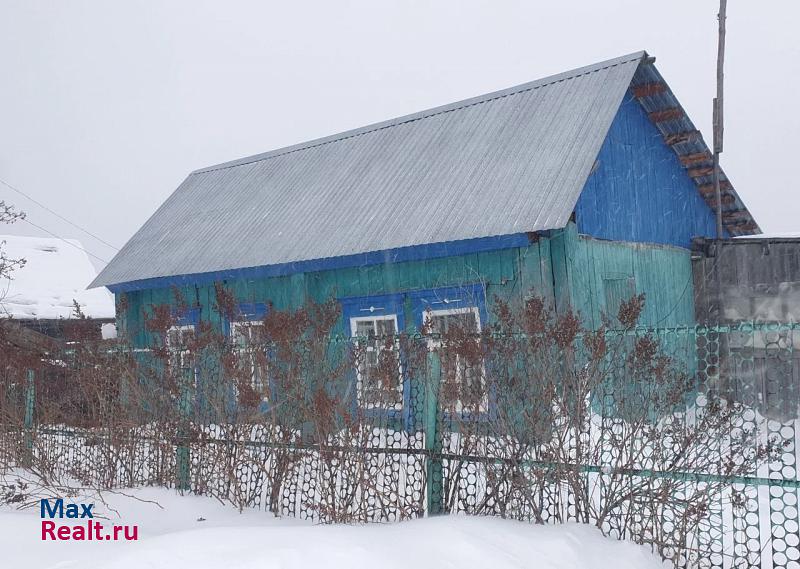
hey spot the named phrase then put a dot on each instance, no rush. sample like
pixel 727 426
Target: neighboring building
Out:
pixel 756 278
pixel 585 187
pixel 41 294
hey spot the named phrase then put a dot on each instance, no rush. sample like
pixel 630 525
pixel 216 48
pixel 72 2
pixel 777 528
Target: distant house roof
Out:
pixel 505 163
pixel 791 236
pixel 54 274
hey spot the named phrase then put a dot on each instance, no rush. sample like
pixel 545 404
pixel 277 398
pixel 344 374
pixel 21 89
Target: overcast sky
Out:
pixel 106 106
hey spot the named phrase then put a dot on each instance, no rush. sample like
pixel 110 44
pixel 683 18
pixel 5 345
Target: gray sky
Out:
pixel 106 106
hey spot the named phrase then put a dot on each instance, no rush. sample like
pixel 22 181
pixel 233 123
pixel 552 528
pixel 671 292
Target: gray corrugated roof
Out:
pixel 508 162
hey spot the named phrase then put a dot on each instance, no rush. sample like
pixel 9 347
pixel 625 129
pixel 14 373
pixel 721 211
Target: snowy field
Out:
pixel 190 532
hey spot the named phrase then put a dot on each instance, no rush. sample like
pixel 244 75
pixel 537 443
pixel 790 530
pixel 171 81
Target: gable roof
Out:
pixel 505 163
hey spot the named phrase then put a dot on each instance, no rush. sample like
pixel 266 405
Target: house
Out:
pixel 585 187
pixel 41 295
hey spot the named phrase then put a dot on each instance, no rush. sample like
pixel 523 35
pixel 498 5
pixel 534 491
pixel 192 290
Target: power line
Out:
pixel 64 240
pixel 75 225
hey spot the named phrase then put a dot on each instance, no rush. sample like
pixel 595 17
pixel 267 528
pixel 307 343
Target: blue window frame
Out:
pixel 371 321
pixel 384 304
pixel 247 312
pixel 463 390
pixel 188 317
pixel 181 332
pixel 245 334
pixel 178 343
pixel 449 299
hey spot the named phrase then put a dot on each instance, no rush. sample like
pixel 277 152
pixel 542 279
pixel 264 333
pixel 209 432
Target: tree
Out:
pixel 7 264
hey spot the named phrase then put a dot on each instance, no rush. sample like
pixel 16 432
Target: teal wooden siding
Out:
pixel 589 275
pixel 585 266
pixel 564 267
pixel 507 273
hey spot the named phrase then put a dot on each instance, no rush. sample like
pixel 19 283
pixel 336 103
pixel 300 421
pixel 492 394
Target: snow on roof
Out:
pixel 54 274
pixel 791 235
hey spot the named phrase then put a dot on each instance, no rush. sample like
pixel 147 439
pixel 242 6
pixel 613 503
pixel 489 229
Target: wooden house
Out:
pixel 585 187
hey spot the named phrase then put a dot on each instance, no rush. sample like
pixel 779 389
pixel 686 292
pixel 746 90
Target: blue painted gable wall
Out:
pixel 639 191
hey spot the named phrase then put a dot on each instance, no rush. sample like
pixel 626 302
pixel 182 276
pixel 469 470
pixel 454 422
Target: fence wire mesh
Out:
pixel 658 437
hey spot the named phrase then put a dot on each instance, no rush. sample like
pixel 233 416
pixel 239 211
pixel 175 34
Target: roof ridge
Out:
pixel 428 113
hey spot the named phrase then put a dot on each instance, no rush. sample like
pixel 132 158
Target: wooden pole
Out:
pixel 183 461
pixel 718 111
pixel 434 489
pixel 30 403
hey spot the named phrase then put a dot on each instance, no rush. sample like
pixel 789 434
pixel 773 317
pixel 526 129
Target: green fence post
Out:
pixel 30 399
pixel 182 455
pixel 433 442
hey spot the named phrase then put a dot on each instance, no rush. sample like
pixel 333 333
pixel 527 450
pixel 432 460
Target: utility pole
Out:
pixel 722 375
pixel 718 107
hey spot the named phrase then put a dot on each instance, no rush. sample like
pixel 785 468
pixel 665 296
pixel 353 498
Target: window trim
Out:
pixel 265 388
pixel 187 319
pixel 461 296
pixel 177 328
pixel 250 312
pixel 371 308
pixel 354 320
pixel 385 304
pixel 472 295
pixel 468 296
pixel 483 410
pixel 181 355
pixel 458 310
pixel 246 312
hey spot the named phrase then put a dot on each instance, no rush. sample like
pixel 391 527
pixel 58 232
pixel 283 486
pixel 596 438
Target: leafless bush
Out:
pixel 8 265
pixel 535 417
pixel 599 427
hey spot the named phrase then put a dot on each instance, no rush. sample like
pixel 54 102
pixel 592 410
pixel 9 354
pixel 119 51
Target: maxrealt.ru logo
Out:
pixel 91 530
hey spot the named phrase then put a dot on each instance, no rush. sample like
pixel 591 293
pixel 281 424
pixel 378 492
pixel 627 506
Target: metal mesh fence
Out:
pixel 470 431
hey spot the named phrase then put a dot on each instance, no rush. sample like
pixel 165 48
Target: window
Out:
pixel 179 341
pixel 458 301
pixel 373 322
pixel 181 336
pixel 247 337
pixel 447 311
pixel 443 321
pixel 379 373
pixel 463 388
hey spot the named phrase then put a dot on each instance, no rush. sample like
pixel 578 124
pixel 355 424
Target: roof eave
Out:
pixel 680 134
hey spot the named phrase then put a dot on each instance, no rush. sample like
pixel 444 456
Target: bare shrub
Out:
pixel 603 427
pixel 534 417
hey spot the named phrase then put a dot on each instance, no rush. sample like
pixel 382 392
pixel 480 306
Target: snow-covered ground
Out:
pixel 171 536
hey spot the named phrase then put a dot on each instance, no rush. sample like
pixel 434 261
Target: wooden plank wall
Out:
pixel 639 190
pixel 663 273
pixel 508 273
